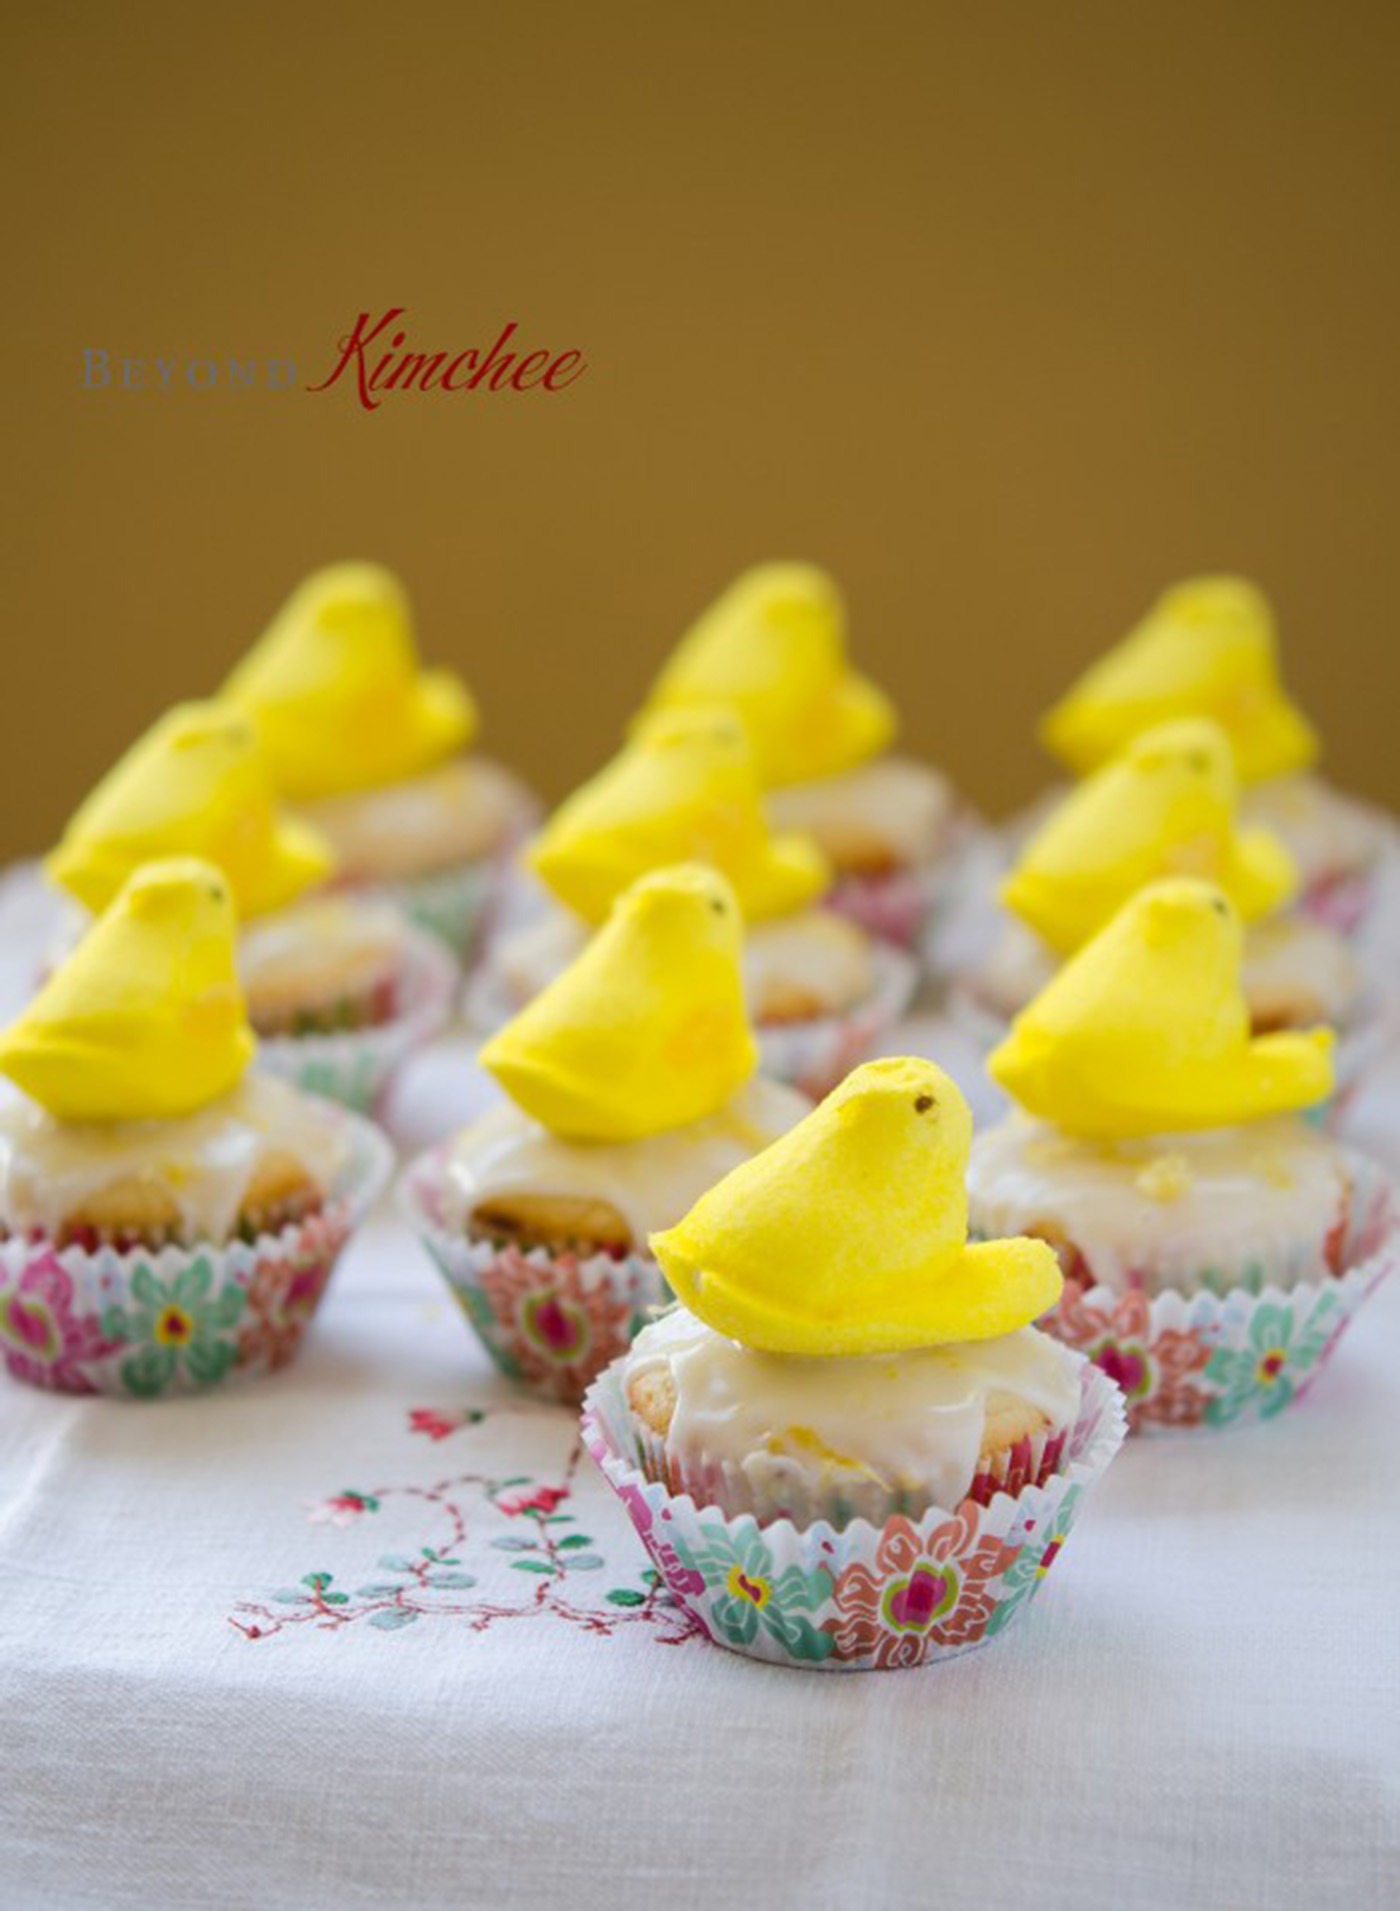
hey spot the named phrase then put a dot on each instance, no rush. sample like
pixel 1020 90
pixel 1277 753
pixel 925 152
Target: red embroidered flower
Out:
pixel 541 1499
pixel 923 1592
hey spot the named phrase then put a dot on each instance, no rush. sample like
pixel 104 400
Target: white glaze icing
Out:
pixel 1233 1206
pixel 328 942
pixel 912 1422
pixel 454 813
pixel 652 1182
pixel 894 806
pixel 206 1161
pixel 814 951
pixel 1295 972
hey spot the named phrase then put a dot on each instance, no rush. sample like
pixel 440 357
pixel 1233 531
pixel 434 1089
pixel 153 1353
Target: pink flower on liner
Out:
pixel 542 1499
pixel 43 1338
pixel 342 1509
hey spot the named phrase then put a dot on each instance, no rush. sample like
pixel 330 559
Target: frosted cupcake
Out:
pixel 1214 1245
pixel 631 1088
pixel 339 990
pixel 773 648
pixel 1208 648
pixel 1166 805
pixel 821 991
pixel 849 1446
pixel 374 750
pixel 166 1218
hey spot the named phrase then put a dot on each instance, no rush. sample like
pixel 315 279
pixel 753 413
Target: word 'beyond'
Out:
pixel 373 370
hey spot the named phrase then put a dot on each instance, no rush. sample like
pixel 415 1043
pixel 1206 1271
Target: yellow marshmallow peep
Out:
pixel 1146 1030
pixel 647 1029
pixel 849 1235
pixel 683 790
pixel 1207 648
pixel 335 687
pixel 196 784
pixel 773 646
pixel 145 1020
pixel 1165 807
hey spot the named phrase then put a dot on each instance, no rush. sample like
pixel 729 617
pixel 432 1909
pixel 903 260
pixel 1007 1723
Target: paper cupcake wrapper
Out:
pixel 902 906
pixel 856 1597
pixel 355 1068
pixel 451 904
pixel 817 1054
pixel 551 1321
pixel 144 1323
pixel 1205 1359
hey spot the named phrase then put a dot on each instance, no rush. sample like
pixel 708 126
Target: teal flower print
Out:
pixel 1022 1578
pixel 746 1592
pixel 179 1327
pixel 1263 1376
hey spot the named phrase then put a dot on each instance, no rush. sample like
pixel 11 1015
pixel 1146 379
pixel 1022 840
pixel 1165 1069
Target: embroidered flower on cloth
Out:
pixel 179 1327
pixel 540 1499
pixel 44 1339
pixel 925 1590
pixel 745 1591
pixel 439 1426
pixel 342 1509
pixel 1264 1375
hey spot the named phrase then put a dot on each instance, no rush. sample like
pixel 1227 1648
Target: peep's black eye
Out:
pixel 717 904
pixel 1220 906
pixel 922 1104
pixel 1198 760
pixel 216 895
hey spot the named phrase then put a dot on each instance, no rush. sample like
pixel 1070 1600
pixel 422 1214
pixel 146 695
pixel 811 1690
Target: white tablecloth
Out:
pixel 210 1695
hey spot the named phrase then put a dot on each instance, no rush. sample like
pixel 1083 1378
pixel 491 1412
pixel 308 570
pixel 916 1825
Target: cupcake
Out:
pixel 1214 1245
pixel 166 1217
pixel 821 991
pixel 373 751
pixel 338 990
pixel 1207 648
pixel 1166 805
pixel 630 1088
pixel 773 648
pixel 849 1446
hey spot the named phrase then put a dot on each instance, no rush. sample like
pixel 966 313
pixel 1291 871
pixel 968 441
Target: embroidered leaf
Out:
pixel 290 1597
pixel 318 1582
pixel 451 1579
pixel 335 1599
pixel 533 1566
pixel 378 1591
pixel 392 1618
pixel 624 1596
pixel 396 1563
pixel 584 1562
pixel 520 1479
pixel 556 1519
pixel 574 1539
pixel 507 1544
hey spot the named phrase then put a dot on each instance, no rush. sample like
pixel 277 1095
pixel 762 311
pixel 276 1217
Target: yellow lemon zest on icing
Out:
pixel 1207 648
pixel 1146 1030
pixel 338 694
pixel 849 1234
pixel 194 785
pixel 683 790
pixel 1167 1178
pixel 145 1019
pixel 647 1029
pixel 773 647
pixel 1165 806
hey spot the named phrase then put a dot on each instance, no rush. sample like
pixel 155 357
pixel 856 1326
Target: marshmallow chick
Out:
pixel 1165 807
pixel 196 784
pixel 1146 1030
pixel 683 790
pixel 336 690
pixel 1207 648
pixel 849 1234
pixel 145 1020
pixel 773 647
pixel 646 1030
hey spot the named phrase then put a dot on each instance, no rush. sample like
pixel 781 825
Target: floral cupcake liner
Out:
pixel 551 1321
pixel 1204 1358
pixel 451 904
pixel 856 1598
pixel 815 1055
pixel 144 1323
pixel 356 1067
pixel 903 906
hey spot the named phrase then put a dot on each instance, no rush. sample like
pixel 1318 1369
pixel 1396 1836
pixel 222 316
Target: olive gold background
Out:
pixel 1007 315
